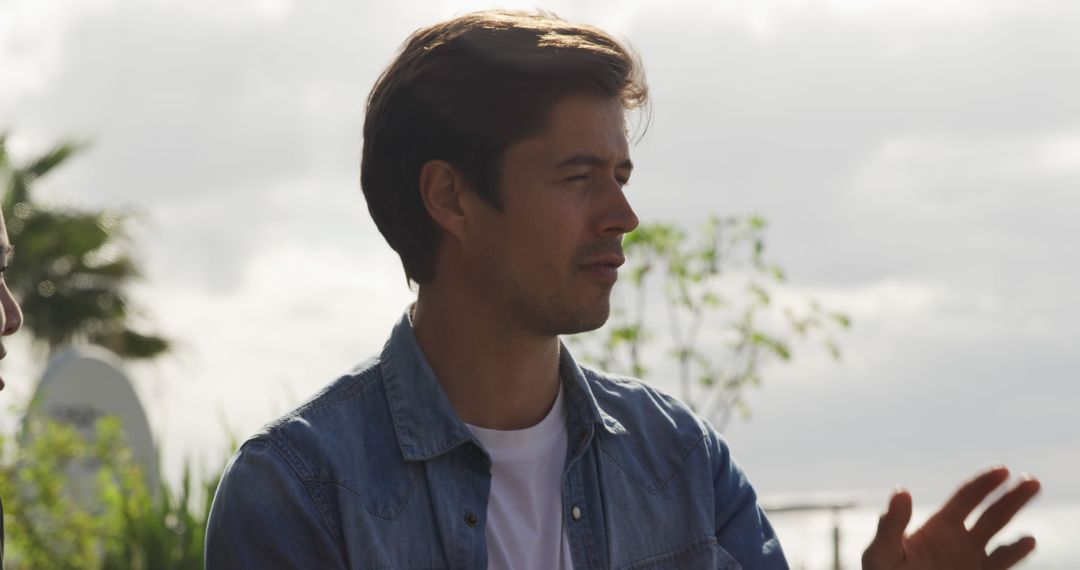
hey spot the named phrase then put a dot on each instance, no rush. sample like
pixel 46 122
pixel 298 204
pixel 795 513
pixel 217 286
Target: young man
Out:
pixel 495 155
pixel 10 321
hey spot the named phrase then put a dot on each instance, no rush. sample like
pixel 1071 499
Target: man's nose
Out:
pixel 620 218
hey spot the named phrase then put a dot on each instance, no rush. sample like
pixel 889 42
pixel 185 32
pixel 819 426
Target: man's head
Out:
pixel 10 314
pixel 463 91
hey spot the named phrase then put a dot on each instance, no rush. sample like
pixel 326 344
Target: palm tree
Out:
pixel 71 267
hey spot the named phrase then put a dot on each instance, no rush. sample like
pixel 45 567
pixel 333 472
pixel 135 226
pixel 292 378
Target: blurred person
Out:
pixel 10 321
pixel 494 163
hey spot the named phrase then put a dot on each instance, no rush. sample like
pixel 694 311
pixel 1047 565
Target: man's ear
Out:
pixel 443 191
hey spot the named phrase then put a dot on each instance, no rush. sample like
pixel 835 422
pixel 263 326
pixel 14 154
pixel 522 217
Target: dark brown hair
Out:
pixel 462 91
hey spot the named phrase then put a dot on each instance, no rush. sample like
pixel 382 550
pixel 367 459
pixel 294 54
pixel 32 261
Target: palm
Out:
pixel 945 542
pixel 942 543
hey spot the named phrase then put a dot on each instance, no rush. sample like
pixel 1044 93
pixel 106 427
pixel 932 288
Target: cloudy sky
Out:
pixel 918 161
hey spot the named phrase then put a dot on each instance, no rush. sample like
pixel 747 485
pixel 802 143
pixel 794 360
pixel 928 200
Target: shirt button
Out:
pixel 470 519
pixel 575 512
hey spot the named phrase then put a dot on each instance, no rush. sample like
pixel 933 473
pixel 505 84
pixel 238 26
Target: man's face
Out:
pixel 10 314
pixel 549 258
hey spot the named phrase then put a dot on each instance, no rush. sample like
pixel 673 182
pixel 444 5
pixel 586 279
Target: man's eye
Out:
pixel 578 177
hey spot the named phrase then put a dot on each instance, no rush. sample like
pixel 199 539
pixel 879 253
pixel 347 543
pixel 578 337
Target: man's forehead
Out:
pixel 583 147
pixel 578 127
pixel 579 112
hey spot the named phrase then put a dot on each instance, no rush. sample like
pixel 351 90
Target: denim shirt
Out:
pixel 378 471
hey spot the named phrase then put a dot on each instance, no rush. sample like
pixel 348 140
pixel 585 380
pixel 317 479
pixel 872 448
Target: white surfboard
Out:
pixel 83 384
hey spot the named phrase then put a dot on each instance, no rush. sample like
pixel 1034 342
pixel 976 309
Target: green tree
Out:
pixel 71 267
pixel 718 289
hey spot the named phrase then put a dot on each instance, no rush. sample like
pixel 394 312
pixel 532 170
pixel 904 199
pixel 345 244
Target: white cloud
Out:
pixel 1059 155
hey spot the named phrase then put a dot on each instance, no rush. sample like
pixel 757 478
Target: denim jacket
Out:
pixel 378 471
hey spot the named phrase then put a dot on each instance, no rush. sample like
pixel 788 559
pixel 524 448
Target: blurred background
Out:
pixel 918 164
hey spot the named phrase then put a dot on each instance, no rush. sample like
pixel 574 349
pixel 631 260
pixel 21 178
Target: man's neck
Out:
pixel 496 377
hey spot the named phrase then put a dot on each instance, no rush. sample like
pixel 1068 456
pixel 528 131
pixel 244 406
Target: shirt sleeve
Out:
pixel 742 528
pixel 263 516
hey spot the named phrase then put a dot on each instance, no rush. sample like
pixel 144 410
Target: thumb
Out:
pixel 886 549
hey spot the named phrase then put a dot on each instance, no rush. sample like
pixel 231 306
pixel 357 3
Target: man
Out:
pixel 10 321
pixel 495 155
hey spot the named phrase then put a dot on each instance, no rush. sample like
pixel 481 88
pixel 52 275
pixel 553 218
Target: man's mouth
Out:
pixel 605 267
pixel 611 260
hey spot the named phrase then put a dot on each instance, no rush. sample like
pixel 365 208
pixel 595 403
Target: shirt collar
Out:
pixel 427 425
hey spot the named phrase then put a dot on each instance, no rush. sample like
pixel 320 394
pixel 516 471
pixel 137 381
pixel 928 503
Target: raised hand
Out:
pixel 944 542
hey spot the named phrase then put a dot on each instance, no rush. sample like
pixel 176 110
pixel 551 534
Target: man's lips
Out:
pixel 610 260
pixel 605 268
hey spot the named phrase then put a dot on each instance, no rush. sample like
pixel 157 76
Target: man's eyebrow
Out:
pixel 585 159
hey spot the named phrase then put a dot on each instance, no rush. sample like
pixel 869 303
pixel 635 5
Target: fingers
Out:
pixel 894 522
pixel 1007 556
pixel 972 493
pixel 1003 510
pixel 887 547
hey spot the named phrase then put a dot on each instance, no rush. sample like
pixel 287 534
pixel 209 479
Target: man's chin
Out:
pixel 586 321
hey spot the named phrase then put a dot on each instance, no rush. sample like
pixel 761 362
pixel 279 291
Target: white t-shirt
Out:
pixel 525 519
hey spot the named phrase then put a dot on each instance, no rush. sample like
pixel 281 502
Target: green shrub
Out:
pixel 112 523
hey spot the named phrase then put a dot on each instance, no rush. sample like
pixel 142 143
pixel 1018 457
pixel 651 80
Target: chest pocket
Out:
pixel 703 552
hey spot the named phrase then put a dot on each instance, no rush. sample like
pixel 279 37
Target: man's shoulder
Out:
pixel 330 426
pixel 335 399
pixel 635 403
pixel 339 449
pixel 650 433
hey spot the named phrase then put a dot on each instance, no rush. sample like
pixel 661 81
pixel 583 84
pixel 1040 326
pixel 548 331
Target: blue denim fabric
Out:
pixel 378 471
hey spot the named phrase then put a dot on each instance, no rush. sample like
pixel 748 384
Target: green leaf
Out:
pixel 774 345
pixel 833 348
pixel 132 345
pixel 40 166
pixel 842 320
pixel 637 274
pixel 760 294
pixel 778 273
pixel 711 299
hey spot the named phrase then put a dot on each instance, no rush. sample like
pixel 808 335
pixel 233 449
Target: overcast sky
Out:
pixel 919 163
